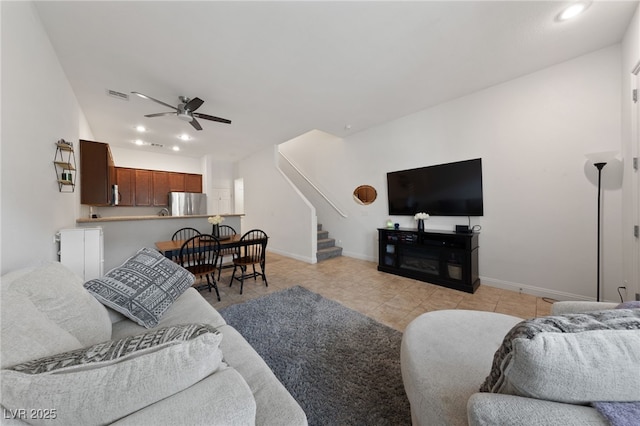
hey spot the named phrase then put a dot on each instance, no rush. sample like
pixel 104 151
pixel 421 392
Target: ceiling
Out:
pixel 280 69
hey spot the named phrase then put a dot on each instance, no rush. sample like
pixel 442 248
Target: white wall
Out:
pixel 38 108
pixel 140 159
pixel 539 227
pixel 275 206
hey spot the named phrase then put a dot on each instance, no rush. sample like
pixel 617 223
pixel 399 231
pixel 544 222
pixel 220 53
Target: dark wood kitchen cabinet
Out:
pixel 176 182
pixel 143 187
pixel 192 182
pixel 160 188
pixel 126 180
pixel 147 188
pixel 136 187
pixel 165 182
pixel 97 174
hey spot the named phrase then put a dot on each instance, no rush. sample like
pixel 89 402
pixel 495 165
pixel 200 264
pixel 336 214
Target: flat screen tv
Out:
pixel 452 189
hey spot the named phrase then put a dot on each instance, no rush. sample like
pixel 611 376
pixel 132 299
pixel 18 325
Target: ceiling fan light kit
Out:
pixel 184 111
pixel 184 116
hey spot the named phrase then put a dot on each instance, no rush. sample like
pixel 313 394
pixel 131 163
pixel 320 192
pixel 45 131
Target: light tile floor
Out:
pixel 387 298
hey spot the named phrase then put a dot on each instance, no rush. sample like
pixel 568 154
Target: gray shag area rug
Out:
pixel 342 367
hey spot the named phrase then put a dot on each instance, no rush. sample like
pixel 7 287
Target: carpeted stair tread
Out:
pixel 328 253
pixel 326 243
pixel 323 234
pixel 326 247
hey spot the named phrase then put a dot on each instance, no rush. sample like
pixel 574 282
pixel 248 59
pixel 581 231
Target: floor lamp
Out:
pixel 599 160
pixel 599 166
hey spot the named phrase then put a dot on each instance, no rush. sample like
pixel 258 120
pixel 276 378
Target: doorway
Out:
pixel 238 190
pixel 633 244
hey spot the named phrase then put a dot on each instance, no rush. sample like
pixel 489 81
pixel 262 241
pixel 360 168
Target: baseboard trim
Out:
pixel 532 290
pixel 359 256
pixel 491 282
pixel 293 255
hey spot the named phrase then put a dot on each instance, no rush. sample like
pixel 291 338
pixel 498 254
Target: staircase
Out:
pixel 326 246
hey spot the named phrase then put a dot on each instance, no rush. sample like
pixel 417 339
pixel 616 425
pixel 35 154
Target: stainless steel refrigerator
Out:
pixel 187 203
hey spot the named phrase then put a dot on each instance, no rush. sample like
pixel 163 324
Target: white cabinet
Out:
pixel 81 250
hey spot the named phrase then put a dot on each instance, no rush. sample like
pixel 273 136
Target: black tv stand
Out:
pixel 445 258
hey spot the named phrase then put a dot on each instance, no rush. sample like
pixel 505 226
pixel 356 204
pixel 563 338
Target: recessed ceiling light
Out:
pixel 184 137
pixel 139 142
pixel 176 148
pixel 573 10
pixel 141 129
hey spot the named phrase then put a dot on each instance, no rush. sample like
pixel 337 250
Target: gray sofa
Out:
pixel 447 355
pixel 215 378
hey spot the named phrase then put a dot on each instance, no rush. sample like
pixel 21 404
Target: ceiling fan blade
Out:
pixel 195 124
pixel 193 104
pixel 160 114
pixel 212 118
pixel 154 100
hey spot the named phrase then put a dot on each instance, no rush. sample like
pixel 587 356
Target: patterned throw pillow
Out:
pixel 143 288
pixel 105 382
pixel 115 350
pixel 569 358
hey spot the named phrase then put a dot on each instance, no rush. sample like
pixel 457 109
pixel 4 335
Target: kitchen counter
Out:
pixel 149 217
pixel 125 235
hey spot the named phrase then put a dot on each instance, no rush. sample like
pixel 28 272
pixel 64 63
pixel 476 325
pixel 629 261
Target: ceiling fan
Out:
pixel 185 110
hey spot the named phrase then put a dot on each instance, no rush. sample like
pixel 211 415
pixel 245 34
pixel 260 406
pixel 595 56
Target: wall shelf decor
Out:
pixel 64 163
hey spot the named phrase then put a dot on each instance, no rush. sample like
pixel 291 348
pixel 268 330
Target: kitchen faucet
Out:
pixel 164 212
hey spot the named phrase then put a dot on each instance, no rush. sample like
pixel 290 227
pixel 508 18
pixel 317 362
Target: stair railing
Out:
pixel 322 194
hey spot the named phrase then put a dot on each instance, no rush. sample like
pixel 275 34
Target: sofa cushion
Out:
pixel 10 277
pixel 105 382
pixel 576 358
pixel 190 307
pixel 444 355
pixel 27 333
pixel 143 288
pixel 485 409
pixel 58 293
pixel 221 399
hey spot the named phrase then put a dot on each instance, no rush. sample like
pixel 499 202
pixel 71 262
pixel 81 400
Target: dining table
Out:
pixel 171 249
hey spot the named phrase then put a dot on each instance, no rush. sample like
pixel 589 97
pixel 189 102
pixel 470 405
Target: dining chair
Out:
pixel 199 255
pixel 225 232
pixel 250 252
pixel 183 234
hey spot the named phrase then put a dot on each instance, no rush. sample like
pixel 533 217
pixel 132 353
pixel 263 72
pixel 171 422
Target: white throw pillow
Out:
pixel 577 368
pixel 571 358
pixel 27 333
pixel 58 293
pixel 105 382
